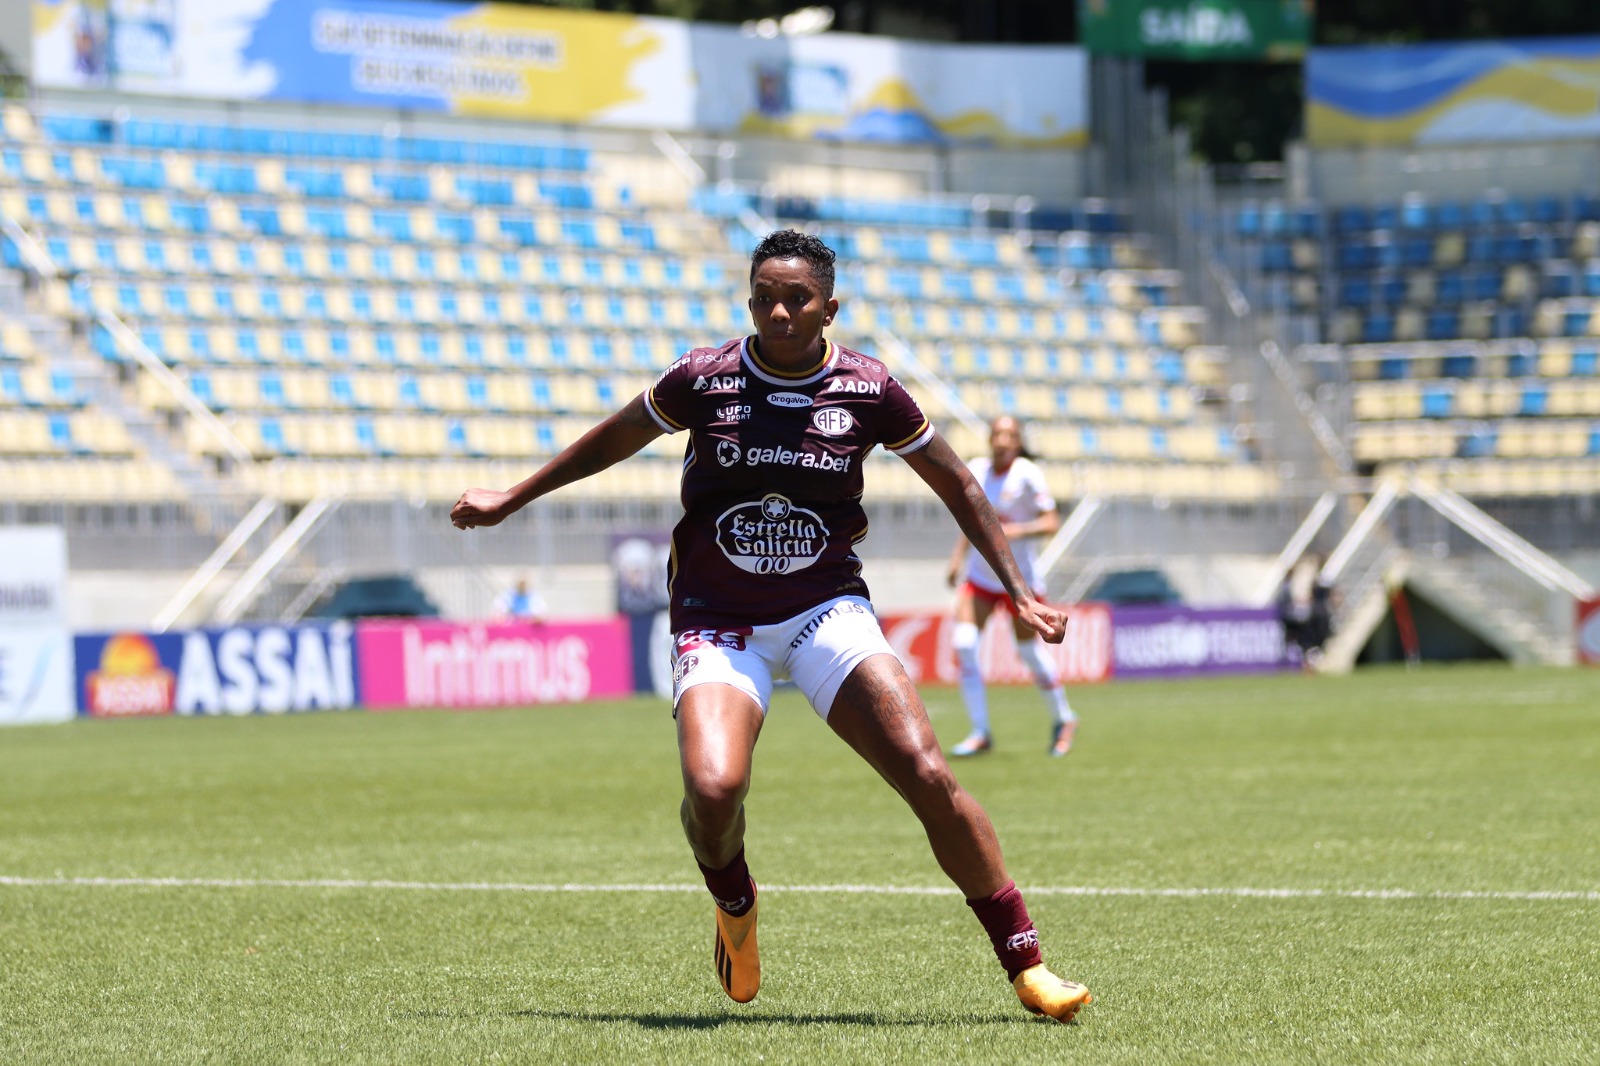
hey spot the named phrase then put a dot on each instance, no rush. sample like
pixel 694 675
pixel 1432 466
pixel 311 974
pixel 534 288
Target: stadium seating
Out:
pixel 1467 331
pixel 444 305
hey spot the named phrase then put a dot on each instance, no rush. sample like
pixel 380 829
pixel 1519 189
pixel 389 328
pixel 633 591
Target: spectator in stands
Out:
pixel 520 603
pixel 1305 607
pixel 765 582
pixel 1015 487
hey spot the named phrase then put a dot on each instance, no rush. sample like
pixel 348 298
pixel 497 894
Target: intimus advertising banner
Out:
pixel 240 670
pixel 35 643
pixel 1478 92
pixel 505 664
pixel 556 65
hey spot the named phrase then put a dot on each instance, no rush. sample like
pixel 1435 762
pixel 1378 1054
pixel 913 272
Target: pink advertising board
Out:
pixel 500 664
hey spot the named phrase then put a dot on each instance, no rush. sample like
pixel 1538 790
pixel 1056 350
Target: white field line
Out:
pixel 845 889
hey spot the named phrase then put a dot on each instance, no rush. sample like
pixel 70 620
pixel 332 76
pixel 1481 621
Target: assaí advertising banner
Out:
pixel 557 65
pixel 503 664
pixel 266 669
pixel 1530 89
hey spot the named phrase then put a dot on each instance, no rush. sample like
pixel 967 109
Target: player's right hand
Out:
pixel 1047 621
pixel 481 507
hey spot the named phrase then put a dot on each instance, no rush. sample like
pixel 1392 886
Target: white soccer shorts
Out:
pixel 817 649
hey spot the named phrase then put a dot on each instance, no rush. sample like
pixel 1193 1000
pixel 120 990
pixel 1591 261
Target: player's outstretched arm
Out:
pixel 607 444
pixel 952 482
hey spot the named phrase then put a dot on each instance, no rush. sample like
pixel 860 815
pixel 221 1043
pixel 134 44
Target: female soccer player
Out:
pixel 765 582
pixel 1014 486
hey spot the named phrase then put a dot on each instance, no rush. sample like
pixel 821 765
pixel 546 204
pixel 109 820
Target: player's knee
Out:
pixel 713 796
pixel 928 784
pixel 964 642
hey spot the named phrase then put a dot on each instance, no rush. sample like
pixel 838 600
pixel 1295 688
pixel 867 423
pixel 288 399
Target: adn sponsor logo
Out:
pixel 771 536
pixel 867 388
pixel 719 383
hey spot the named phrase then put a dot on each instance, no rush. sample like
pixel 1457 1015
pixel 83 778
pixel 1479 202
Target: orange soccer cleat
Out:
pixel 1042 992
pixel 737 959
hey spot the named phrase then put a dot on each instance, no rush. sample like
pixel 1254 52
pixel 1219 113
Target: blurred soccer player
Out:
pixel 765 583
pixel 1014 485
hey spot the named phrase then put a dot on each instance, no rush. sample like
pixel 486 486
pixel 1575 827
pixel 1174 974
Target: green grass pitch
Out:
pixel 1472 793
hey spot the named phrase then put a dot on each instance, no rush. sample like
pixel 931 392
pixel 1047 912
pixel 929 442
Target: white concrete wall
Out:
pixel 1370 175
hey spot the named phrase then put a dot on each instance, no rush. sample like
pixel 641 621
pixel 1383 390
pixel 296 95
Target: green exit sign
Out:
pixel 1196 29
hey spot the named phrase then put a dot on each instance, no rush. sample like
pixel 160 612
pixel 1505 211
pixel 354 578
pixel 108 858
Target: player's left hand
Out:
pixel 1047 621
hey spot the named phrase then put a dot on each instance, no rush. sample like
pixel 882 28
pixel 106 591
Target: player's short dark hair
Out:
pixel 792 244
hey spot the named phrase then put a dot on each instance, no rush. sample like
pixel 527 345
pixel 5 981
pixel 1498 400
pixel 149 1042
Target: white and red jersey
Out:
pixel 772 478
pixel 1018 495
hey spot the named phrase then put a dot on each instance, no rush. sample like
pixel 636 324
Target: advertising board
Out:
pixel 1170 641
pixel 922 641
pixel 35 643
pixel 265 669
pixel 1588 632
pixel 454 664
pixel 560 65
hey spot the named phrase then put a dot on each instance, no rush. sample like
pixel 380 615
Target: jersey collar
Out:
pixel 773 376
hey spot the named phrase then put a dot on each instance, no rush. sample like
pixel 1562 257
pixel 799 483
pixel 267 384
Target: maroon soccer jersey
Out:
pixel 772 478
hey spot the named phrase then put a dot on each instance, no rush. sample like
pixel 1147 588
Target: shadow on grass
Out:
pixel 688 1021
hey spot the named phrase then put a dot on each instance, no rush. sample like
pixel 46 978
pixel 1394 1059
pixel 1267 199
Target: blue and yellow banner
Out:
pixel 556 65
pixel 1526 90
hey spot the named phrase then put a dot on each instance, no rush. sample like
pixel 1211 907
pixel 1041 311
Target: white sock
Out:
pixel 964 640
pixel 1033 654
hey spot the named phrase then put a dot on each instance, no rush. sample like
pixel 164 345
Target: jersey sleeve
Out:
pixel 1038 490
pixel 670 400
pixel 903 428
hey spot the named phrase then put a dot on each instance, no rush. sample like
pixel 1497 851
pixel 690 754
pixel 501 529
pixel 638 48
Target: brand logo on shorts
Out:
pixel 834 421
pixel 728 452
pixel 684 668
pixel 771 536
pixel 789 399
pixel 720 638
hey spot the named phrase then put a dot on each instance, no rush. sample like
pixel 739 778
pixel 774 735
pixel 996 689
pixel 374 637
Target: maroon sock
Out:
pixel 1005 919
pixel 732 887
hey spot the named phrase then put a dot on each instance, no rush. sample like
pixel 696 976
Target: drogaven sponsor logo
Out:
pixel 771 536
pixel 788 399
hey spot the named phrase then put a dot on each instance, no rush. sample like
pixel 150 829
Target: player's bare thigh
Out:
pixel 717 730
pixel 879 713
